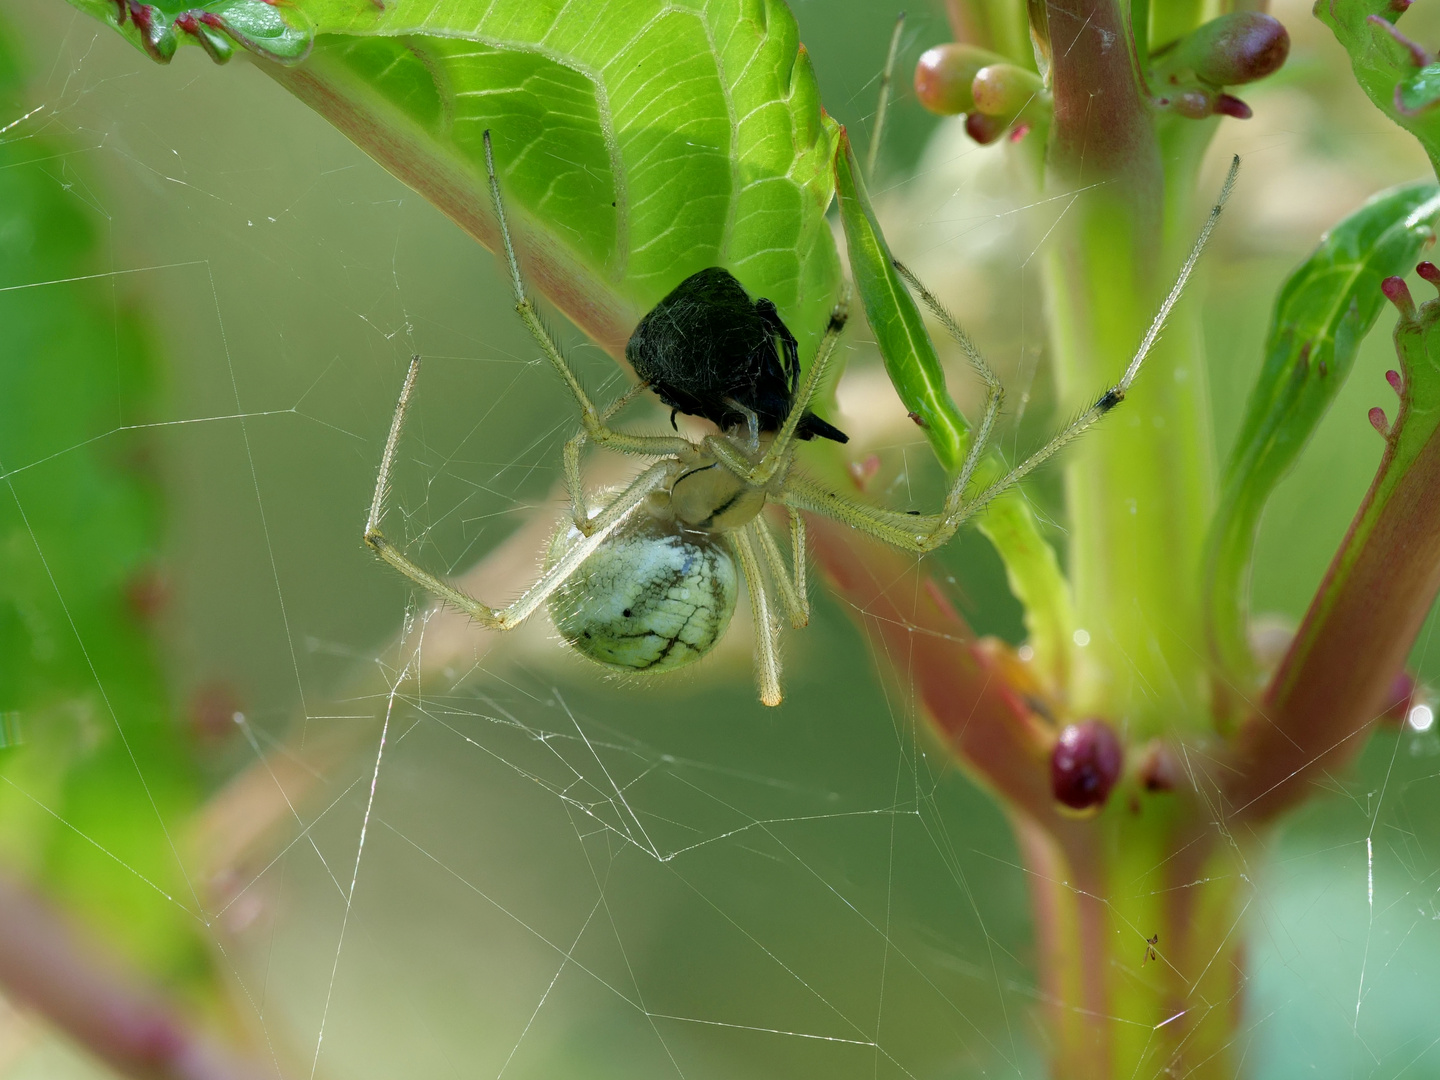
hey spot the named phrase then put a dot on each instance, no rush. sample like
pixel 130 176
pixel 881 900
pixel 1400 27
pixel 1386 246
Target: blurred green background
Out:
pixel 568 875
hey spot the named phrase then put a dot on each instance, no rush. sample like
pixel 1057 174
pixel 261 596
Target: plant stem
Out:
pixel 1138 494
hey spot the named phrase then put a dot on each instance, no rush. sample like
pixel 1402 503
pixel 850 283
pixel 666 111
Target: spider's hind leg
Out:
pixel 767 634
pixel 592 418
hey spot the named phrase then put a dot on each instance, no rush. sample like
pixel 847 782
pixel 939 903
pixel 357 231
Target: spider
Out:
pixel 648 581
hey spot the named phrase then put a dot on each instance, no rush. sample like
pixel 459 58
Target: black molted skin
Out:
pixel 709 350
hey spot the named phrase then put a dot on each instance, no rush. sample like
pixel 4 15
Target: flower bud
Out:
pixel 1085 764
pixel 1005 90
pixel 944 74
pixel 1236 48
pixel 1403 689
pixel 984 129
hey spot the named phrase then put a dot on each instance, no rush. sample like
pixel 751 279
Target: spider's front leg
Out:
pixel 574 446
pixel 506 618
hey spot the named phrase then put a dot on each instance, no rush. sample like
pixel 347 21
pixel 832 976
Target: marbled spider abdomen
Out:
pixel 653 598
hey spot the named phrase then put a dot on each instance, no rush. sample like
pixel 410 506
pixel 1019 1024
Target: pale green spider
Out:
pixel 648 582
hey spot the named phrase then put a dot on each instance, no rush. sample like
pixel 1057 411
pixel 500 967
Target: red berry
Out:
pixel 1085 764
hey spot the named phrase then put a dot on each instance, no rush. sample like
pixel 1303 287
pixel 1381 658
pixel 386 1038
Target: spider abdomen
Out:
pixel 651 598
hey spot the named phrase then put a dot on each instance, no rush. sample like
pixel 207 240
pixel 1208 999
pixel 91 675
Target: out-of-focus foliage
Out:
pixel 628 181
pixel 95 778
pixel 1322 314
pixel 1401 76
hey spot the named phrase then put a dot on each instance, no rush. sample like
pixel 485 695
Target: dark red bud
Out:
pixel 1159 771
pixel 212 711
pixel 147 593
pixel 1430 272
pixel 1396 383
pixel 1085 764
pixel 1398 293
pixel 1402 692
pixel 1236 48
pixel 1379 421
pixel 1229 105
pixel 984 129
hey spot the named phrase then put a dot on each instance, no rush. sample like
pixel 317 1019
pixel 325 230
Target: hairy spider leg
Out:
pixel 574 479
pixel 994 389
pixel 506 618
pixel 926 532
pixel 591 418
pixel 792 593
pixel 767 633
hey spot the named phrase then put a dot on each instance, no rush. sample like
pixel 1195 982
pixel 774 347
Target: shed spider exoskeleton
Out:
pixel 648 582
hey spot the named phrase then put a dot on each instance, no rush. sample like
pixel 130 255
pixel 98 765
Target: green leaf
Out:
pixel 95 781
pixel 1400 76
pixel 1323 312
pixel 1337 679
pixel 637 140
pixel 1031 567
pixel 905 345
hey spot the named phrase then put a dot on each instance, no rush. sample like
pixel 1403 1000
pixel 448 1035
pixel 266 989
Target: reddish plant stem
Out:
pixel 1335 681
pixel 971 705
pixel 1102 130
pixel 1100 886
pixel 46 966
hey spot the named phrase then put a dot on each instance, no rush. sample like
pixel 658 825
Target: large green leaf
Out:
pixel 95 780
pixel 638 140
pixel 1323 312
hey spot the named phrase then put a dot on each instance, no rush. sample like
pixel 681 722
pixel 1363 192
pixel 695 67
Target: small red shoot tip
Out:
pixel 1379 422
pixel 1230 105
pixel 1398 293
pixel 1021 130
pixel 1396 383
pixel 1430 272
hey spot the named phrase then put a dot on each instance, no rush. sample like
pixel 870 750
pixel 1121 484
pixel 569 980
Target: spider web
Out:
pixel 475 857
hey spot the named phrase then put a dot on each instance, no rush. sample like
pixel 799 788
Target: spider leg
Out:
pixel 591 418
pixel 1115 394
pixel 994 391
pixel 506 618
pixel 792 594
pixel 574 481
pixel 767 647
pixel 798 555
pixel 925 532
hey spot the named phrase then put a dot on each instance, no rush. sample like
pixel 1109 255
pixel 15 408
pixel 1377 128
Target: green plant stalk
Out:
pixel 1138 494
pixel 1100 891
pixel 1150 864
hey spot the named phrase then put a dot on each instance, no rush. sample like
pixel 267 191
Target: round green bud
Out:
pixel 944 74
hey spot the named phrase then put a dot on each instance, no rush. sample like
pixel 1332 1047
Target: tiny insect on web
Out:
pixel 648 581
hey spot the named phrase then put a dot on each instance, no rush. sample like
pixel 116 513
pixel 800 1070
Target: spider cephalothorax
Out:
pixel 648 581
